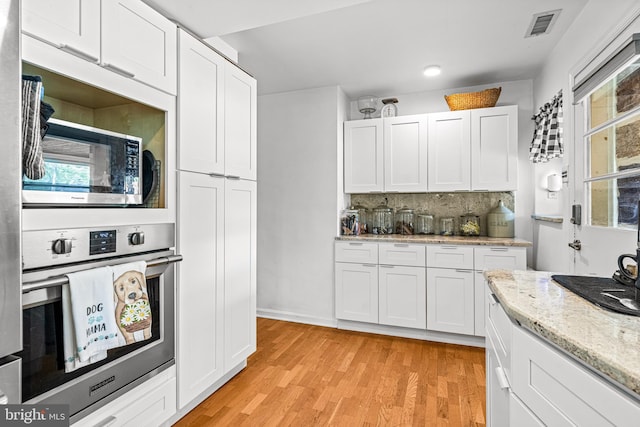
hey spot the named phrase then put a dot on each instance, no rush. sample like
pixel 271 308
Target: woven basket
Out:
pixel 466 101
pixel 138 326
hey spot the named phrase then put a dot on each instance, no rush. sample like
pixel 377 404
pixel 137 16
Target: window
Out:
pixel 612 141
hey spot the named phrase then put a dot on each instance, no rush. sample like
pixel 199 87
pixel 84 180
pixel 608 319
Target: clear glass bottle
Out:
pixel 349 222
pixel 382 221
pixel 469 225
pixel 424 223
pixel 363 216
pixel 405 221
pixel 447 227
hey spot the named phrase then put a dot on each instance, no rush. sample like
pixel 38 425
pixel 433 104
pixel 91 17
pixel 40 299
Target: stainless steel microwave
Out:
pixel 86 166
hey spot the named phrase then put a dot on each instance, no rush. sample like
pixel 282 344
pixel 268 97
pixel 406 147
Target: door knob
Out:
pixel 576 245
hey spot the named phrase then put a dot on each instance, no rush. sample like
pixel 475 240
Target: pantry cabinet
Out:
pixel 217 123
pixel 126 37
pixel 200 296
pixel 200 107
pixel 449 151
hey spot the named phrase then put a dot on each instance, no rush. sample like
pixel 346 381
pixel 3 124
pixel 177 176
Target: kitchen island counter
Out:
pixel 438 239
pixel 604 341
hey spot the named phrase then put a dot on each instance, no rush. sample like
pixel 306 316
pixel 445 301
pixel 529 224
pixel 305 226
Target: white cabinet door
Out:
pixel 494 148
pixel 402 296
pixel 71 25
pixel 405 153
pixel 200 107
pixel 140 43
pixel 363 156
pixel 450 151
pixel 200 284
pixel 240 125
pixel 356 292
pixel 450 301
pixel 239 271
pixel 498 390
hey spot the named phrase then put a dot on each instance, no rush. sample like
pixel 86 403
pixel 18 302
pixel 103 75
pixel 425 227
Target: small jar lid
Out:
pixel 382 208
pixel 405 210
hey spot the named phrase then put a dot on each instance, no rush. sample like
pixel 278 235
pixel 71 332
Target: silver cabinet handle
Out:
pixel 386 266
pixel 499 249
pixel 493 299
pixel 401 245
pixel 463 271
pixel 233 177
pixel 117 70
pixel 4 400
pixel 79 53
pixel 216 175
pixel 501 376
pixel 369 265
pixel 449 248
pixel 355 244
pixel 109 421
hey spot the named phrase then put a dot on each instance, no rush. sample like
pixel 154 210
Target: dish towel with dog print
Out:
pixel 132 308
pixel 90 328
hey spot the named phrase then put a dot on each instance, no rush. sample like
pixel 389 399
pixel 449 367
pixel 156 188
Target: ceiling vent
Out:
pixel 542 23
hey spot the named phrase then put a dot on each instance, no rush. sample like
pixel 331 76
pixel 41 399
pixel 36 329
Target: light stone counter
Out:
pixel 605 341
pixel 437 239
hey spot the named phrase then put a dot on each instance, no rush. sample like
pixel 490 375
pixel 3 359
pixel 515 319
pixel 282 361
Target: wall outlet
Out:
pixel 552 195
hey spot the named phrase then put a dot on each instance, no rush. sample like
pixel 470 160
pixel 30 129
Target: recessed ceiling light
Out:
pixel 432 70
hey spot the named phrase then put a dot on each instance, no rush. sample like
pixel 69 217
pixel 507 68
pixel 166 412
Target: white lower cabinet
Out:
pixel 148 405
pixel 402 296
pixel 531 383
pixel 216 297
pixel 450 301
pixel 357 292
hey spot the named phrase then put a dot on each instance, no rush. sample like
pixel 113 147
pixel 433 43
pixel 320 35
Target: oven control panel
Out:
pixel 45 248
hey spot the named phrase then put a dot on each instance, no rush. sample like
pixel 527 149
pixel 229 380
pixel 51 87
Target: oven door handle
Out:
pixel 52 282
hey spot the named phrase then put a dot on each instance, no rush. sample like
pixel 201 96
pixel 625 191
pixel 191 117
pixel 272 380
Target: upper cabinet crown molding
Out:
pixel 126 37
pixel 470 150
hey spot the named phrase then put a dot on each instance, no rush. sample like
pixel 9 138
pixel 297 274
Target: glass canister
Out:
pixel 469 225
pixel 349 222
pixel 389 109
pixel 382 220
pixel 363 217
pixel 447 227
pixel 424 223
pixel 405 221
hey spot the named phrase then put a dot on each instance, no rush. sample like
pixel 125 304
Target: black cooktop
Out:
pixel 590 288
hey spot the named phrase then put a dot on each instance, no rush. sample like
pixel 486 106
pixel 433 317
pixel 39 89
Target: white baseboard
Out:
pixel 296 317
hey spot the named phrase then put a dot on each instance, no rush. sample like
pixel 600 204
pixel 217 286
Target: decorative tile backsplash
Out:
pixel 440 204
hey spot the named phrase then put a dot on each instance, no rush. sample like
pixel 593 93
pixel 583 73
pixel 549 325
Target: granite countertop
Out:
pixel 438 239
pixel 605 341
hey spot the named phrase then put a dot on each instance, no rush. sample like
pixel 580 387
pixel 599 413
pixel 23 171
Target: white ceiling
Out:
pixel 377 47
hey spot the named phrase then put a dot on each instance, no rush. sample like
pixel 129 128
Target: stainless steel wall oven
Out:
pixel 51 254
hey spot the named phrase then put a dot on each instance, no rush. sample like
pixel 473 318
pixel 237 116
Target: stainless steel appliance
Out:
pixel 86 166
pixel 48 256
pixel 10 296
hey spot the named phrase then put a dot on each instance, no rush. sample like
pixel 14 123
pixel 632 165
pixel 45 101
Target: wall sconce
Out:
pixel 554 182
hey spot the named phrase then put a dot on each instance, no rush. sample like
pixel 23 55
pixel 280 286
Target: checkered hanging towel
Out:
pixel 547 140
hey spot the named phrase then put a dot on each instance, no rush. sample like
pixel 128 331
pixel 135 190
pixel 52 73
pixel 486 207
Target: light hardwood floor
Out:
pixel 304 375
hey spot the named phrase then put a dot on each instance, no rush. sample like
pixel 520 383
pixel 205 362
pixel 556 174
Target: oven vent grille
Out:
pixel 541 23
pixel 94 388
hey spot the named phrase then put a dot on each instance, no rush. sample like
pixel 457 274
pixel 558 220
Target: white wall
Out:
pixel 595 26
pixel 299 151
pixel 513 93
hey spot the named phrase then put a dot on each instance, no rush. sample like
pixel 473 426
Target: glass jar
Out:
pixel 469 225
pixel 405 221
pixel 424 223
pixel 389 109
pixel 349 222
pixel 382 221
pixel 363 216
pixel 447 226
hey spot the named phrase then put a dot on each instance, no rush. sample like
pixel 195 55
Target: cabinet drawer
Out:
pixel 562 392
pixel 500 257
pixel 358 252
pixel 401 254
pixel 450 256
pixel 498 329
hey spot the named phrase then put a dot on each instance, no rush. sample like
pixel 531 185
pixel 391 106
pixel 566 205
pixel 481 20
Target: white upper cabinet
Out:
pixel 494 148
pixel 405 153
pixel 200 107
pixel 139 42
pixel 124 36
pixel 363 156
pixel 71 25
pixel 449 151
pixel 240 124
